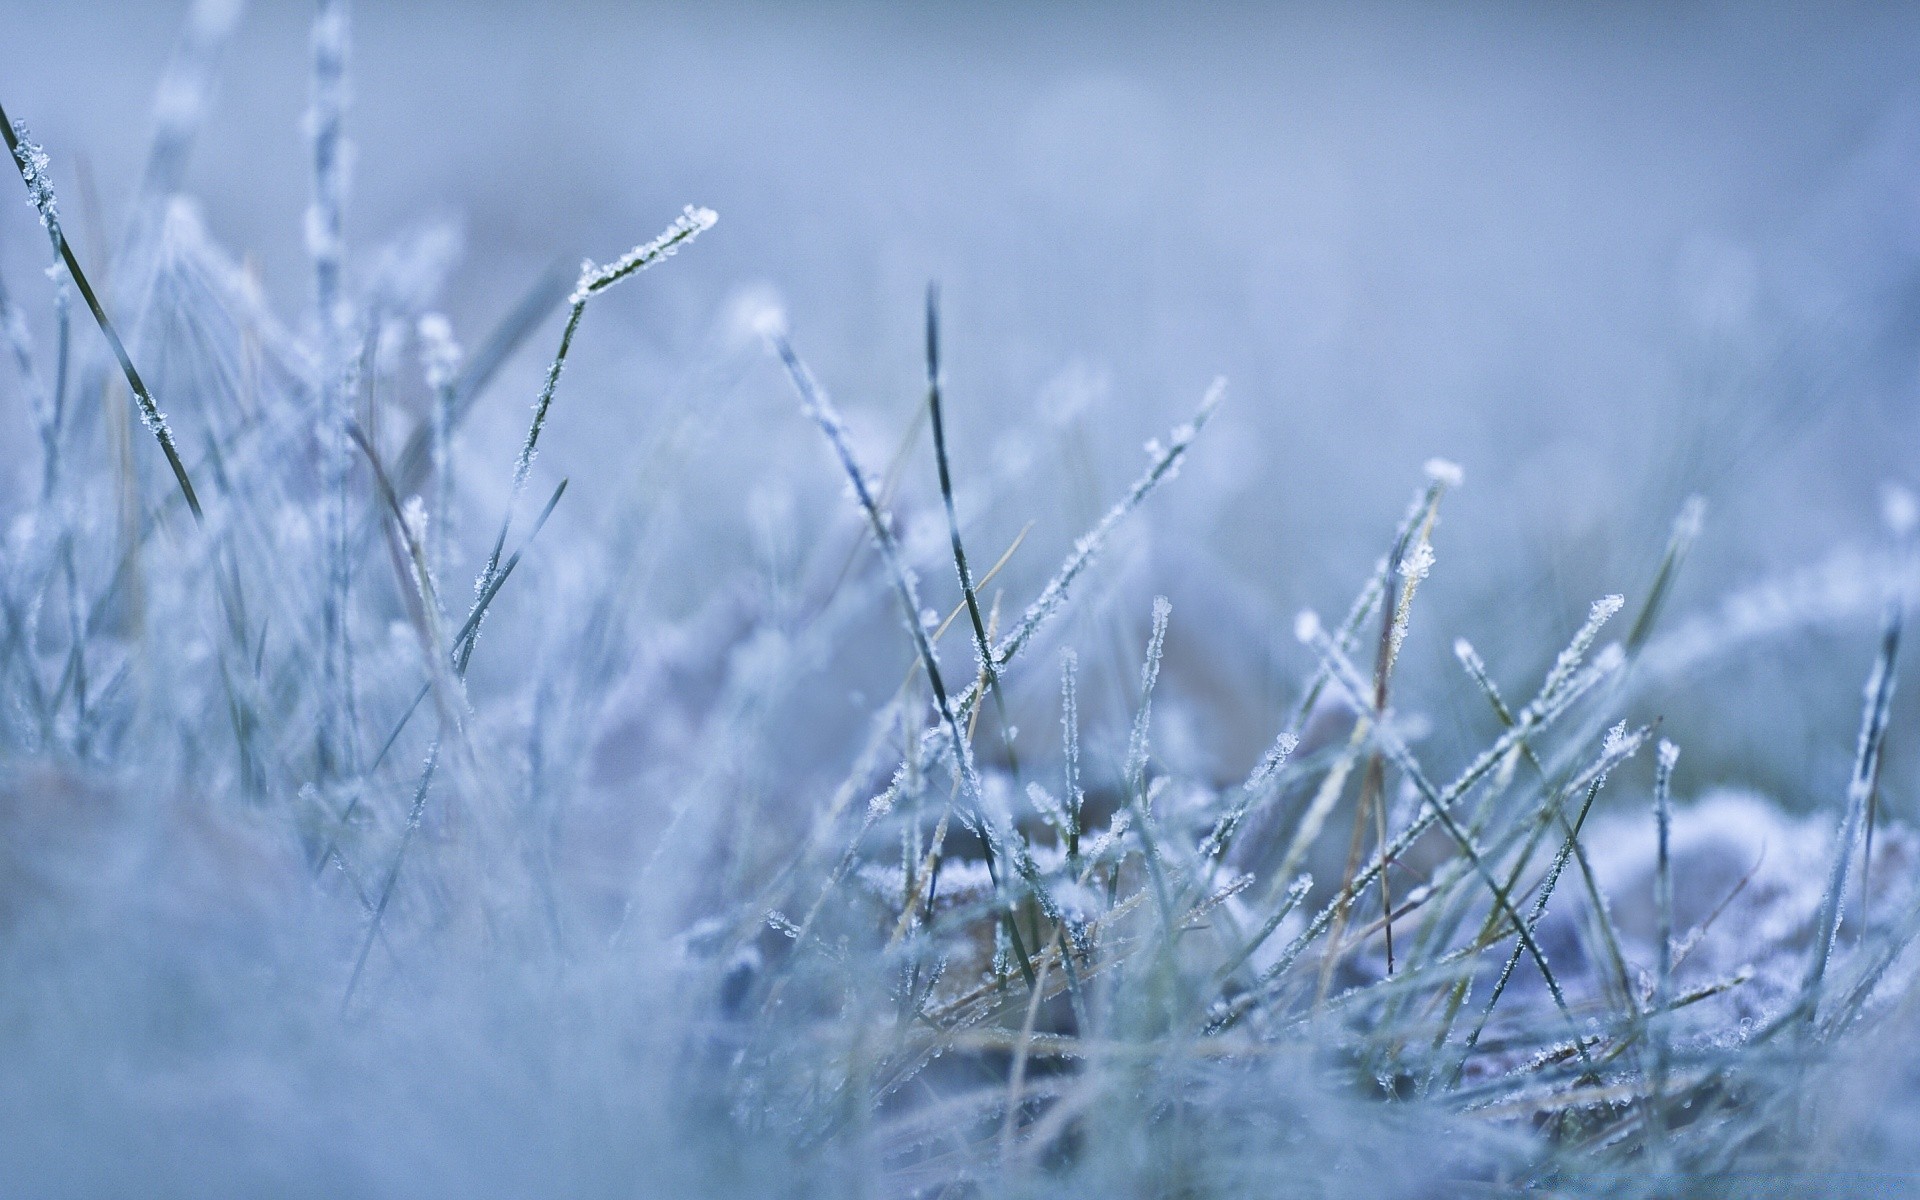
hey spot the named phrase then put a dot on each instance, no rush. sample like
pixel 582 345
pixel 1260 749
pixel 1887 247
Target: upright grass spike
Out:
pixel 983 644
pixel 326 213
pixel 1441 475
pixel 1135 773
pixel 326 248
pixel 440 364
pixel 1686 528
pixel 33 165
pixel 1411 560
pixel 1075 796
pixel 1136 769
pixel 1866 766
pixel 183 97
pixel 1669 755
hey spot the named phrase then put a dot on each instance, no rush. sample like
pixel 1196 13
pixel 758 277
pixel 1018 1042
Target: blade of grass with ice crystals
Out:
pixel 33 166
pixel 1686 528
pixel 1135 774
pixel 1070 753
pixel 1441 475
pixel 424 600
pixel 460 653
pixel 1866 766
pixel 1669 754
pixel 594 279
pixel 1262 783
pixel 1259 784
pixel 1411 559
pixel 415 810
pixel 444 681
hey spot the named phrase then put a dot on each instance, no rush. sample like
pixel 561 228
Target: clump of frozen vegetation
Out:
pixel 294 899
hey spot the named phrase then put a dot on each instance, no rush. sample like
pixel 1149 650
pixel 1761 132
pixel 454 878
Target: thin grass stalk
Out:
pixel 1070 753
pixel 593 280
pixel 983 644
pixel 1669 755
pixel 1866 765
pixel 440 364
pixel 326 247
pixel 33 167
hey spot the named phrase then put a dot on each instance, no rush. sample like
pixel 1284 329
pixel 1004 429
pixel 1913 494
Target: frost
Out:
pixel 1468 656
pixel 36 170
pixel 1419 564
pixel 691 223
pixel 1149 675
pixel 1275 758
pixel 1444 473
pixel 1569 659
pixel 1669 754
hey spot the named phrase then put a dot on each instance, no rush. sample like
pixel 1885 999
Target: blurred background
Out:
pixel 1602 256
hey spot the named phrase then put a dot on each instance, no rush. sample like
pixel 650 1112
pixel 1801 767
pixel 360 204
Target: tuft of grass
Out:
pixel 623 912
